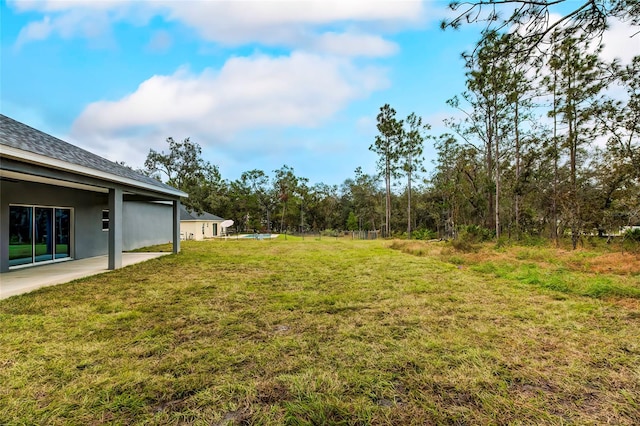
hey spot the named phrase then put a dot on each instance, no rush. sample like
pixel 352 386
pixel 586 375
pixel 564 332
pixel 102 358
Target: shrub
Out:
pixel 633 235
pixel 631 240
pixel 476 234
pixel 462 243
pixel 329 233
pixel 533 240
pixel 424 234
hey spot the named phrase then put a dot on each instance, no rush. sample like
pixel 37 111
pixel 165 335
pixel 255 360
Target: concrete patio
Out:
pixel 20 281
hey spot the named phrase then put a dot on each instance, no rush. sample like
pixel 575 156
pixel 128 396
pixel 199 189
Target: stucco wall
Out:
pixel 87 237
pixel 146 224
pixel 192 229
pixel 189 230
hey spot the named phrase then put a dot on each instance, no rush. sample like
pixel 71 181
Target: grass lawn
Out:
pixel 20 251
pixel 330 332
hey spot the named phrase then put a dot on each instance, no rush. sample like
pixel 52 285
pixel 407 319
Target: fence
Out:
pixel 365 235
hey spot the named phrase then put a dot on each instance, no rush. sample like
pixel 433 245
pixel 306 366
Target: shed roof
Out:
pixel 186 215
pixel 20 141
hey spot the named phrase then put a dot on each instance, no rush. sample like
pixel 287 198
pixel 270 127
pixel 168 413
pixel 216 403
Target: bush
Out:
pixel 533 240
pixel 329 233
pixel 632 235
pixel 463 244
pixel 424 234
pixel 631 240
pixel 503 242
pixel 475 233
pixel 470 235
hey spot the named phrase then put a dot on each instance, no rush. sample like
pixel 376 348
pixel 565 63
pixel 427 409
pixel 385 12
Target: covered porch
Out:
pixel 59 202
pixel 24 280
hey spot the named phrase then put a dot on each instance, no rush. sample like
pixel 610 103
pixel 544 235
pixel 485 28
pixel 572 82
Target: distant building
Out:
pixel 198 226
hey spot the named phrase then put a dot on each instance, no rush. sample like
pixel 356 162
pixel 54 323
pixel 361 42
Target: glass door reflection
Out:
pixel 20 235
pixel 63 233
pixel 43 234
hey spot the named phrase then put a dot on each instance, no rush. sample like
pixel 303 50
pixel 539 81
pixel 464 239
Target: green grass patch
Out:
pixel 563 280
pixel 321 332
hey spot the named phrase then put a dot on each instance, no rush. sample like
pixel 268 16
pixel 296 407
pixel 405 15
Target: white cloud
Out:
pixel 619 42
pixel 35 31
pixel 69 19
pixel 329 26
pixel 247 93
pixel 285 23
pixel 347 44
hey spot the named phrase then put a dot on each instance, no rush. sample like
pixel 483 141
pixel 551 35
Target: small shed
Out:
pixel 198 226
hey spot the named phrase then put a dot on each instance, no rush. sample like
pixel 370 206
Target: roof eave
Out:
pixel 42 160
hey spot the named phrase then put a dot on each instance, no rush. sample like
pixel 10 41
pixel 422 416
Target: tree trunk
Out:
pixel 573 145
pixel 489 163
pixel 497 207
pixel 517 197
pixel 268 221
pixel 554 207
pixel 388 197
pixel 497 163
pixel 284 205
pixel 409 200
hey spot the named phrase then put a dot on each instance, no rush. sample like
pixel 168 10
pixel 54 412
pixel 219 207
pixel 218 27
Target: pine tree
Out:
pixel 387 146
pixel 579 84
pixel 411 155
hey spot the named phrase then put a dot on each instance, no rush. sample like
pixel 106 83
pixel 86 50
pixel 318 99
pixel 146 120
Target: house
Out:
pixel 198 226
pixel 59 202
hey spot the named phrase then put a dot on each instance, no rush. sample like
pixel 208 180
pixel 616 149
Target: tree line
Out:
pixel 545 143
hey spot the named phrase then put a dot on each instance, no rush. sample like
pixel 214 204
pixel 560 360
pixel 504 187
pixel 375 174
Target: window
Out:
pixel 38 234
pixel 105 220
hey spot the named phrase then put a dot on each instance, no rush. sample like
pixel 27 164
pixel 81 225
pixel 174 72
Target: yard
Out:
pixel 331 331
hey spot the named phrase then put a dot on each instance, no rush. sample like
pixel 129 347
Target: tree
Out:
pixel 444 184
pixel 411 155
pixel 551 82
pixel 352 221
pixel 534 18
pixel 459 185
pixel 285 183
pixel 579 84
pixel 257 181
pixel 324 209
pixel 363 195
pixel 620 120
pixel 183 168
pixel 619 168
pixel 304 198
pixel 387 145
pixel 519 97
pixel 488 120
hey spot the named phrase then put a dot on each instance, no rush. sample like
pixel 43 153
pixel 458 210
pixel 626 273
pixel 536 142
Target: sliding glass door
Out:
pixel 38 234
pixel 43 235
pixel 20 235
pixel 63 233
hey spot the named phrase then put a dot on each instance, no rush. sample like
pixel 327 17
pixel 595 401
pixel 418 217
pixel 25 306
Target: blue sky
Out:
pixel 257 84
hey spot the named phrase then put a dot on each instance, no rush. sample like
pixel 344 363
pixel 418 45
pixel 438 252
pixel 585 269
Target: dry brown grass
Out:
pixel 583 260
pixel 614 263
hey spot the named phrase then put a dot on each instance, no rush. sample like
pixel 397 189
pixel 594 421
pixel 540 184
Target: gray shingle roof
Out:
pixel 186 215
pixel 20 136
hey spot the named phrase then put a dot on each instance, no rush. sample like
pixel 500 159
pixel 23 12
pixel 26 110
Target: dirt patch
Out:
pixel 613 263
pixel 271 392
pixel 238 417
